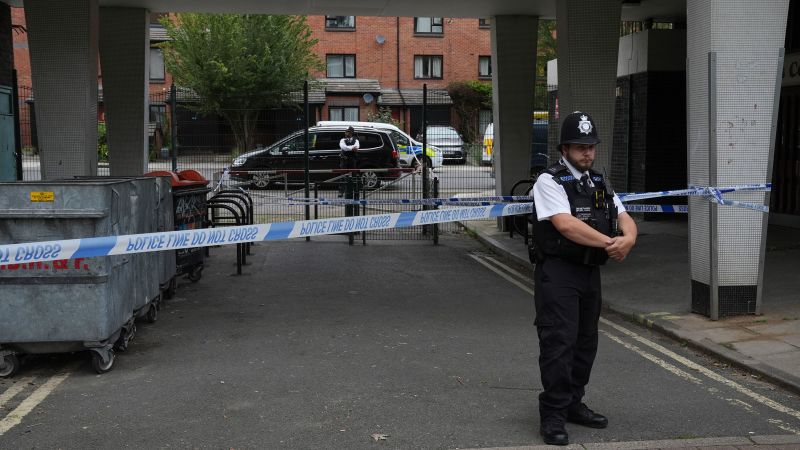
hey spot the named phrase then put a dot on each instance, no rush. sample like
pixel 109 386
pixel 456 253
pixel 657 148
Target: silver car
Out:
pixel 447 139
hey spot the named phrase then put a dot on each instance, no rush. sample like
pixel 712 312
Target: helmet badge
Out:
pixel 584 125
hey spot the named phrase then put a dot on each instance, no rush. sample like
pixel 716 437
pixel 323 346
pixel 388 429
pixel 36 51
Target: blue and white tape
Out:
pixel 670 209
pixel 693 191
pixel 459 201
pixel 713 194
pixel 174 240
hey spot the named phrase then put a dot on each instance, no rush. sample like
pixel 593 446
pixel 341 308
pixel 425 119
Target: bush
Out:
pixel 384 115
pixel 102 142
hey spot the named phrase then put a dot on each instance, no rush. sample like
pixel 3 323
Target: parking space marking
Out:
pixel 705 371
pixel 15 417
pixel 654 359
pixel 15 389
pixel 666 352
pixel 508 277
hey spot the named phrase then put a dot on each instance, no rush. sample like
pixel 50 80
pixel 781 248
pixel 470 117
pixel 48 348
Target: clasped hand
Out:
pixel 618 247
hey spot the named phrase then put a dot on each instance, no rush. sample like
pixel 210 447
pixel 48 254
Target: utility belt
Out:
pixel 589 256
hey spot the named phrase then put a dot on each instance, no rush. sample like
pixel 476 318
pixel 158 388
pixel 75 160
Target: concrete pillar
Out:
pixel 7 142
pixel 733 74
pixel 62 37
pixel 587 49
pixel 513 80
pixel 124 56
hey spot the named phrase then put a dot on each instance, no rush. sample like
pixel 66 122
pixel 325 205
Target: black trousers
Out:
pixel 346 162
pixel 568 302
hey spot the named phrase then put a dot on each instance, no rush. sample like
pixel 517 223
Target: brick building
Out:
pixel 370 62
pixel 376 62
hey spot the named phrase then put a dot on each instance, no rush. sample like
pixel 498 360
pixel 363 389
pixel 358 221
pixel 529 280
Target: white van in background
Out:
pixel 408 148
pixel 488 145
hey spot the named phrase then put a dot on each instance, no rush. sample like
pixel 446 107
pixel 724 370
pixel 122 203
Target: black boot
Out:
pixel 553 432
pixel 582 415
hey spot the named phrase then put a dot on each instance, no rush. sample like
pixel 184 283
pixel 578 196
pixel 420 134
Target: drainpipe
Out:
pixel 397 65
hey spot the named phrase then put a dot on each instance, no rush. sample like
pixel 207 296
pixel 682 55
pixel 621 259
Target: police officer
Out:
pixel 348 157
pixel 581 223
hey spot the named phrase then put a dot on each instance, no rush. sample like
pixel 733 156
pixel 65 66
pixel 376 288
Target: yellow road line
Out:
pixel 15 417
pixel 15 389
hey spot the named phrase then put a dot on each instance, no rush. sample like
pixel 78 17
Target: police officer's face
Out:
pixel 581 156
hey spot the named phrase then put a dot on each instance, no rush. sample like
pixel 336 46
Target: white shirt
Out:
pixel 550 197
pixel 348 148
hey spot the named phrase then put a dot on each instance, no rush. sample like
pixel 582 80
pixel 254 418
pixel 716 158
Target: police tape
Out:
pixel 478 201
pixel 703 191
pixel 674 209
pixel 175 240
pixel 713 194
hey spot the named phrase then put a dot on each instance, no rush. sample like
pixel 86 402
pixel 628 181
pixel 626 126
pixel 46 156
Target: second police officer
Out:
pixel 581 223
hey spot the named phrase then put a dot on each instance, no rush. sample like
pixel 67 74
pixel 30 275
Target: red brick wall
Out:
pixel 22 60
pixel 460 45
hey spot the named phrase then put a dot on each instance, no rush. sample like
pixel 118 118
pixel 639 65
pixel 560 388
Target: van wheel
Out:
pixel 370 180
pixel 260 180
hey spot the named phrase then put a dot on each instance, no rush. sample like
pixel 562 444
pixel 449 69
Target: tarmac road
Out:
pixel 323 345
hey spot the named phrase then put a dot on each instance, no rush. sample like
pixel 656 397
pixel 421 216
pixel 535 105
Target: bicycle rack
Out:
pixel 240 207
pixel 520 223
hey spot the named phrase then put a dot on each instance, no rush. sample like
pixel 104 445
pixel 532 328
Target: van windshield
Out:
pixel 399 139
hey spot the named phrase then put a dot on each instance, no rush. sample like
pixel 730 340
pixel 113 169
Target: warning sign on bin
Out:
pixel 43 196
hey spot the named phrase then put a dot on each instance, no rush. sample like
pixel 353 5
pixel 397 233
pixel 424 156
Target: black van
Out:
pixel 377 151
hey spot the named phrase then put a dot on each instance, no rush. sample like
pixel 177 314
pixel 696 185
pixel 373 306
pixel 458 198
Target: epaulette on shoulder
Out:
pixel 597 177
pixel 560 173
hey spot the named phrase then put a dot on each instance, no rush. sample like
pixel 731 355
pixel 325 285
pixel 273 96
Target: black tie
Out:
pixel 585 183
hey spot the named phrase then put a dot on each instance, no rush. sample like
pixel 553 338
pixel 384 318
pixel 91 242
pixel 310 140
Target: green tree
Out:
pixel 545 51
pixel 469 97
pixel 238 64
pixel 545 46
pixel 102 142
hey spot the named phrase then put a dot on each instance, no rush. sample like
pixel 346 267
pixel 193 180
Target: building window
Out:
pixel 340 22
pixel 341 66
pixel 484 66
pixel 428 25
pixel 484 23
pixel 427 66
pixel 348 113
pixel 158 114
pixel 156 65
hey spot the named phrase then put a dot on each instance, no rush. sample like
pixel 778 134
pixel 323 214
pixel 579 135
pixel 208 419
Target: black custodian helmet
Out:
pixel 578 128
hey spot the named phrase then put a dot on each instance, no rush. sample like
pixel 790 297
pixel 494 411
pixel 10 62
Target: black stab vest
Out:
pixel 595 208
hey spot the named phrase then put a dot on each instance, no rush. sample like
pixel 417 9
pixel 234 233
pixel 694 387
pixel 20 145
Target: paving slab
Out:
pixel 761 347
pixel 725 335
pixel 777 328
